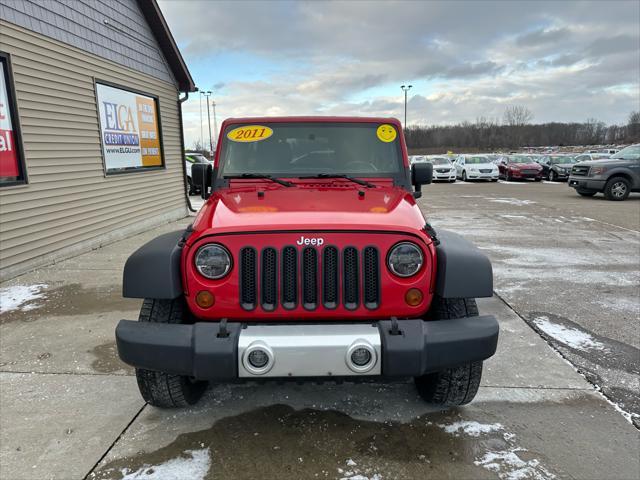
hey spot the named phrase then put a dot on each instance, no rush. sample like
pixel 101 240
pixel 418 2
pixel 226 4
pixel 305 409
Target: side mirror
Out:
pixel 421 174
pixel 201 175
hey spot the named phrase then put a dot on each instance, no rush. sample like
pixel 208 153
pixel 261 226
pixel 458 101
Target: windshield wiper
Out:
pixel 260 176
pixel 339 175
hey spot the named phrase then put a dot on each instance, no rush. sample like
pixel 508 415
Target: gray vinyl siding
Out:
pixel 112 29
pixel 69 205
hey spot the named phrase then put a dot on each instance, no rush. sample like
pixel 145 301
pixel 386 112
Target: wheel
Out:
pixel 452 181
pixel 538 179
pixel 494 179
pixel 464 175
pixel 552 176
pixel 457 385
pixel 508 176
pixel 192 188
pixel 162 389
pixel 617 188
pixel 586 193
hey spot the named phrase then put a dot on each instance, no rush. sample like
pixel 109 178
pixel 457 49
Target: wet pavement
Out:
pixel 568 265
pixel 71 410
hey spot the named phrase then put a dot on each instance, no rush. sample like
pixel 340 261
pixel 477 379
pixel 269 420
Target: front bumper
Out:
pixel 583 183
pixel 482 176
pixel 444 176
pixel 206 351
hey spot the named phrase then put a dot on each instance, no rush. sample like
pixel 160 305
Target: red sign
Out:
pixel 8 152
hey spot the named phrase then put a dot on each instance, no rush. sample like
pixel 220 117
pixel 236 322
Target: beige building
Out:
pixel 90 126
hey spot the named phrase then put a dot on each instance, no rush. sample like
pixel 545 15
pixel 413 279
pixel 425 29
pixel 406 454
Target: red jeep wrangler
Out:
pixel 310 259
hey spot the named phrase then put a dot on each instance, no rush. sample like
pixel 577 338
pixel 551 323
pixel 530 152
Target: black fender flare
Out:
pixel 463 271
pixel 153 271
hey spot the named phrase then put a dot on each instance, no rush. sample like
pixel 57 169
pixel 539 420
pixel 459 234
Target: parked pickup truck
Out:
pixel 616 176
pixel 310 259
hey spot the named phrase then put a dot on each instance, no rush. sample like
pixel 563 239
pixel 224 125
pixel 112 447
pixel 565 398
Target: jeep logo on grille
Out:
pixel 310 241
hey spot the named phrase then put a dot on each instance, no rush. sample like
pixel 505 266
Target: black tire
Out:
pixel 160 389
pixel 192 189
pixel 617 189
pixel 508 177
pixel 494 179
pixel 464 175
pixel 458 385
pixel 586 193
pixel 552 176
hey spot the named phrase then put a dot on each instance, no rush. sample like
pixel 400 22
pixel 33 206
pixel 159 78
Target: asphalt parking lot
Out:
pixel 557 400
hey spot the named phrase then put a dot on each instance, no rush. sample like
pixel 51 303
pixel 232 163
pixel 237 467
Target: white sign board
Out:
pixel 129 129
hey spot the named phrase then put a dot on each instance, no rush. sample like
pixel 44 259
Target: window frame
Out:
pixel 133 170
pixel 23 178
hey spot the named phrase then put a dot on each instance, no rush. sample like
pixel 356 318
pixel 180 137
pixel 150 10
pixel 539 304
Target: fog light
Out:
pixel 205 299
pixel 413 297
pixel 258 358
pixel 361 357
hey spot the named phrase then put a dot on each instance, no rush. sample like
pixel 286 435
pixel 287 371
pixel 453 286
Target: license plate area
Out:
pixel 313 350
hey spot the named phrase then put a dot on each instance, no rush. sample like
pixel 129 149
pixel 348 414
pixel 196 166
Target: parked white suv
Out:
pixel 476 167
pixel 443 169
pixel 189 159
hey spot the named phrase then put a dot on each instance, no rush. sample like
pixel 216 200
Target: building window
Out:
pixel 129 129
pixel 12 170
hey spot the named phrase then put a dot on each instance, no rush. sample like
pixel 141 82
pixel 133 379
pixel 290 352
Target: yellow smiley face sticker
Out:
pixel 386 133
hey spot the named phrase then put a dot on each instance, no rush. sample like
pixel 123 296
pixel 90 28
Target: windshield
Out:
pixel 629 153
pixel 473 160
pixel 196 158
pixel 438 161
pixel 519 159
pixel 298 149
pixel 561 160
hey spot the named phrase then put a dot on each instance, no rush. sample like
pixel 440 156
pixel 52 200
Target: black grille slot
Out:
pixel 371 281
pixel 289 277
pixel 580 170
pixel 310 278
pixel 330 277
pixel 269 285
pixel 350 277
pixel 248 281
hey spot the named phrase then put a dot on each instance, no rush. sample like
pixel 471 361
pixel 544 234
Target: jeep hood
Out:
pixel 270 208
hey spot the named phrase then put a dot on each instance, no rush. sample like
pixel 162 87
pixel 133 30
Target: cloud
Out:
pixel 564 60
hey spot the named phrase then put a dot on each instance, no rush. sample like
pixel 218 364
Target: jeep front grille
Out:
pixel 309 277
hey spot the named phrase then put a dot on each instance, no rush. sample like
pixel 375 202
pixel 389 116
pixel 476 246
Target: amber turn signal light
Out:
pixel 413 297
pixel 205 299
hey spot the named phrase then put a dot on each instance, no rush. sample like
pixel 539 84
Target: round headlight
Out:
pixel 405 259
pixel 213 261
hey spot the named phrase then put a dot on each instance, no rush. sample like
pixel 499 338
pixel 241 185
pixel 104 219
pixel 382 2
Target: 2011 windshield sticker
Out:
pixel 386 133
pixel 250 133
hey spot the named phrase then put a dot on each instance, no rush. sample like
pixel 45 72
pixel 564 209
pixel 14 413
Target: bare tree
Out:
pixel 633 126
pixel 517 115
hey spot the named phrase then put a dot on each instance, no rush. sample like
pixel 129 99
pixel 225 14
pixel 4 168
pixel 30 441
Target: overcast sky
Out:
pixel 565 61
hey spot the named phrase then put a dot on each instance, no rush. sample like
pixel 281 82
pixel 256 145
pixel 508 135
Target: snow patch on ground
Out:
pixel 622 305
pixel 572 337
pixel 20 297
pixel 508 465
pixel 514 216
pixel 193 468
pixel 512 201
pixel 473 429
pixel 355 473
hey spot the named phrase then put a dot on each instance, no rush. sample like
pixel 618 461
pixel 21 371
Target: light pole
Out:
pixel 405 89
pixel 215 123
pixel 208 94
pixel 201 126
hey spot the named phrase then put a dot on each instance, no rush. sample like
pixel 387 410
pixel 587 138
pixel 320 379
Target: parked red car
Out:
pixel 519 167
pixel 309 259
